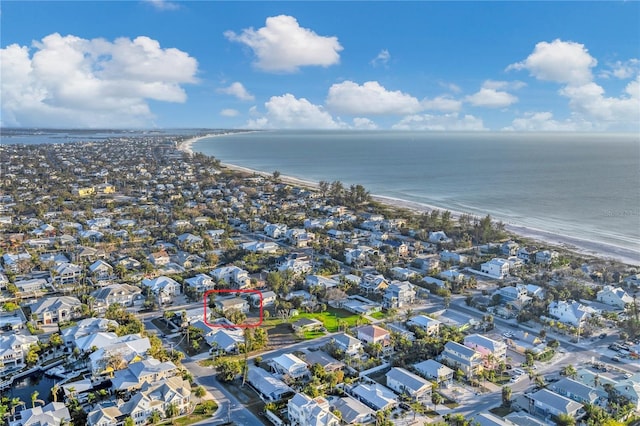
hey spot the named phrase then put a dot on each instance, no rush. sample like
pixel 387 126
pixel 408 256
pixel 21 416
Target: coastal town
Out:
pixel 154 285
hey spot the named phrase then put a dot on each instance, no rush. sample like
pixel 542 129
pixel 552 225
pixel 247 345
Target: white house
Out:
pixel 405 382
pixel 164 287
pixel 545 257
pixel 266 298
pixel 399 294
pixel 66 273
pixel 232 303
pixel 614 296
pixel 374 395
pixel 237 277
pixel 495 268
pixel 433 370
pixel 353 411
pixel 268 387
pixel 571 312
pixel 492 350
pixel 13 349
pixel 459 356
pixel 290 365
pixel 304 411
pixel 54 413
pixel 275 230
pixel 52 310
pixel 200 283
pixel 429 325
pixel 438 237
pixel 320 281
pixel 350 345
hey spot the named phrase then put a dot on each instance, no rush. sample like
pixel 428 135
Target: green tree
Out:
pixel 171 410
pixel 565 420
pixel 154 418
pixel 506 396
pixel 56 340
pixel 200 392
pixel 32 356
pixel 569 371
pixel 437 399
pixel 228 370
pixel 34 398
pixel 129 421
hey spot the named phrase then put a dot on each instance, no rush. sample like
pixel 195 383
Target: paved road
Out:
pixel 583 351
pixel 229 406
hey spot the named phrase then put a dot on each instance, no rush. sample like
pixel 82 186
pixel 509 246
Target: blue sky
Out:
pixel 524 66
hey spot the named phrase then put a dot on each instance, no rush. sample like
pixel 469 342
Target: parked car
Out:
pixel 603 335
pixel 615 359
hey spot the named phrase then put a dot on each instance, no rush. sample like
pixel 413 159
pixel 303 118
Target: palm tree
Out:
pixel 569 371
pixel 154 417
pixel 54 392
pixel 34 398
pixel 506 396
pixel 437 399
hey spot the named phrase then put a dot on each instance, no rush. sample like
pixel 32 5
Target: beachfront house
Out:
pixel 614 296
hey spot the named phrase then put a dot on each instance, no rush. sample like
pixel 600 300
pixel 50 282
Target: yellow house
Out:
pixel 105 188
pixel 86 191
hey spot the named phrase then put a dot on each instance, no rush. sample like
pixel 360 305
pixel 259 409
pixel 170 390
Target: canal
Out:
pixel 24 387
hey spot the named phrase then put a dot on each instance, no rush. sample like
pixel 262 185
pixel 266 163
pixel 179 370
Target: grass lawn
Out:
pixel 332 316
pixel 309 335
pixel 500 411
pixel 197 416
pixel 378 315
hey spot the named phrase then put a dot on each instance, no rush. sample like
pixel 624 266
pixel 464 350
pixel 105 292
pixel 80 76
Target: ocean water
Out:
pixel 584 186
pixel 49 136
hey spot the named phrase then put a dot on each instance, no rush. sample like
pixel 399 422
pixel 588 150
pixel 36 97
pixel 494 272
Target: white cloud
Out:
pixel 74 82
pixel 491 98
pixel 441 103
pixel 238 90
pixel 362 123
pixel 492 94
pixel 590 101
pixel 289 112
pixel 369 98
pixel 544 121
pixel 163 4
pixel 229 112
pixel 450 86
pixel 570 64
pixel 282 45
pixel 382 58
pixel 559 61
pixel 503 85
pixel 622 69
pixel 445 122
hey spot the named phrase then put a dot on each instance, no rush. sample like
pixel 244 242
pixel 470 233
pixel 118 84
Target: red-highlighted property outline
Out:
pixel 248 325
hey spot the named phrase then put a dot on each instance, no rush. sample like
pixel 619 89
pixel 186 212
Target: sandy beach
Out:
pixel 561 242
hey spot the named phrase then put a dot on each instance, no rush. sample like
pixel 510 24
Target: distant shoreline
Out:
pixel 560 242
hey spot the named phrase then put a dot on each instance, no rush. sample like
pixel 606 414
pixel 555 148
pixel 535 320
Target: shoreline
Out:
pixel 603 251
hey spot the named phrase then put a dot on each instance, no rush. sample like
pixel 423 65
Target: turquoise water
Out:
pixel 583 186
